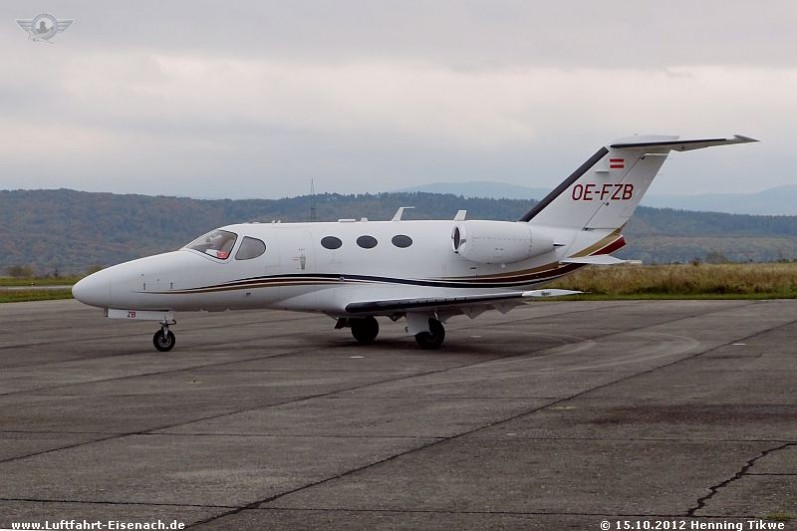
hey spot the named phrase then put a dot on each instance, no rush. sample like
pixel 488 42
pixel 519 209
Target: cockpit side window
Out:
pixel 250 248
pixel 217 243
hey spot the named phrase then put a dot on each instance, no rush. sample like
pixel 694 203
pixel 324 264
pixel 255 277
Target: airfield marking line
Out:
pixel 714 490
pixel 257 503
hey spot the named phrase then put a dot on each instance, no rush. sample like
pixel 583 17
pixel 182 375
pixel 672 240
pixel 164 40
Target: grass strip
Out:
pixel 29 295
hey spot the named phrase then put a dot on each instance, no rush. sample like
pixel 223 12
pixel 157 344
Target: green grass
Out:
pixel 36 281
pixel 28 295
pixel 686 281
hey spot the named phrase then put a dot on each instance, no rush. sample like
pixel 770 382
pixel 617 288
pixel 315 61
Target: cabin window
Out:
pixel 401 240
pixel 250 248
pixel 331 242
pixel 217 243
pixel 367 242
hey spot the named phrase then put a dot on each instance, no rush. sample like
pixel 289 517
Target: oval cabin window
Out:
pixel 331 242
pixel 367 242
pixel 401 240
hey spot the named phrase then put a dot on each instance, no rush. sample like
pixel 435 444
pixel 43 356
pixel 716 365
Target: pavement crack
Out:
pixel 714 490
pixel 257 503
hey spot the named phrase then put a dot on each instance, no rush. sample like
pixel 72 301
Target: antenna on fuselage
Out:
pixel 400 212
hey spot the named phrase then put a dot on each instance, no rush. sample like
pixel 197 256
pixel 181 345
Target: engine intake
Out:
pixel 499 242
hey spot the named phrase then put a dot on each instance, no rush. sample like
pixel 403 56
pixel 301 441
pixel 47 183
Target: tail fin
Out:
pixel 604 191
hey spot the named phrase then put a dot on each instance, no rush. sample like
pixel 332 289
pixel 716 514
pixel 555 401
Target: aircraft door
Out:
pixel 296 251
pixel 271 258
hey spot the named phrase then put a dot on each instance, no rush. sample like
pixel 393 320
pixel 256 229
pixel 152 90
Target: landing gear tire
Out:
pixel 364 330
pixel 433 339
pixel 164 340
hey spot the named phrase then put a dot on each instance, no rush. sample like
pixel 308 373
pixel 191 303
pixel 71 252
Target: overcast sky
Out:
pixel 256 98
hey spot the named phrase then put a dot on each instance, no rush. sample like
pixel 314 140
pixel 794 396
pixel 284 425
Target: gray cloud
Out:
pixel 175 97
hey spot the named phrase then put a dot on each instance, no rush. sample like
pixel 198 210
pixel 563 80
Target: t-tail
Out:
pixel 599 198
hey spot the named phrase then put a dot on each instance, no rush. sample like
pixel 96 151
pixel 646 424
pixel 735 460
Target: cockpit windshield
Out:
pixel 217 243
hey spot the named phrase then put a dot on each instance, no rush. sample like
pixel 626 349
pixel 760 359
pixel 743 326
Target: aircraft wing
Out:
pixel 489 299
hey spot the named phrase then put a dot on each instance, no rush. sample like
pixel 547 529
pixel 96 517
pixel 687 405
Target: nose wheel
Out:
pixel 164 339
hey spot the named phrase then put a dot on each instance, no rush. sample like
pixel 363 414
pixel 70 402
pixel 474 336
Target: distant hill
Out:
pixel 780 200
pixel 774 201
pixel 68 231
pixel 494 190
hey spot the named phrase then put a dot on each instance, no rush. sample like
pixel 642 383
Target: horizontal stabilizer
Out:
pixel 598 259
pixel 683 145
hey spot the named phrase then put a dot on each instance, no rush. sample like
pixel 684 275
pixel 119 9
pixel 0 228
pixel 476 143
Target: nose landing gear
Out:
pixel 164 339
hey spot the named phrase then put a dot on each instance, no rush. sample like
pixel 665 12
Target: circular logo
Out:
pixel 44 26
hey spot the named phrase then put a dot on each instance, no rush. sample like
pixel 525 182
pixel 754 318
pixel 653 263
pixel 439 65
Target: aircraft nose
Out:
pixel 93 290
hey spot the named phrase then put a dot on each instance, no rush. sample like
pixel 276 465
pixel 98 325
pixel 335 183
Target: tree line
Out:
pixel 67 232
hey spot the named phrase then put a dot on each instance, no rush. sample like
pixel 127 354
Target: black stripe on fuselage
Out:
pixel 332 279
pixel 520 278
pixel 576 175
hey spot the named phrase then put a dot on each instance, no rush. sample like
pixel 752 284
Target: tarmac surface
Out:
pixel 559 415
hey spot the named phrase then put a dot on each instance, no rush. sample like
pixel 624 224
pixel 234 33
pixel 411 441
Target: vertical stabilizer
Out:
pixel 604 191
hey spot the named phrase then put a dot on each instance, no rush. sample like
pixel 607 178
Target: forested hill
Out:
pixel 68 231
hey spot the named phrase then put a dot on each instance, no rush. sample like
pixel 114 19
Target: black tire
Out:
pixel 164 342
pixel 433 339
pixel 364 330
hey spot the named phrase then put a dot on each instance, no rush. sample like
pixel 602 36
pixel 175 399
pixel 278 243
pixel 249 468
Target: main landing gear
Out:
pixel 164 339
pixel 428 331
pixel 364 330
pixel 433 339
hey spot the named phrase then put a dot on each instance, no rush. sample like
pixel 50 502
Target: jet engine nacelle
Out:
pixel 499 242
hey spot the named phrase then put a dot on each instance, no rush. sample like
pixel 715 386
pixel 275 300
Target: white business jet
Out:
pixel 424 271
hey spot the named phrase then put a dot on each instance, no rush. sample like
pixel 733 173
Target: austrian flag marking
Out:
pixel 616 164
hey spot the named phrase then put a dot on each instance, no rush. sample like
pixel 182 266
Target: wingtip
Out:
pixel 745 139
